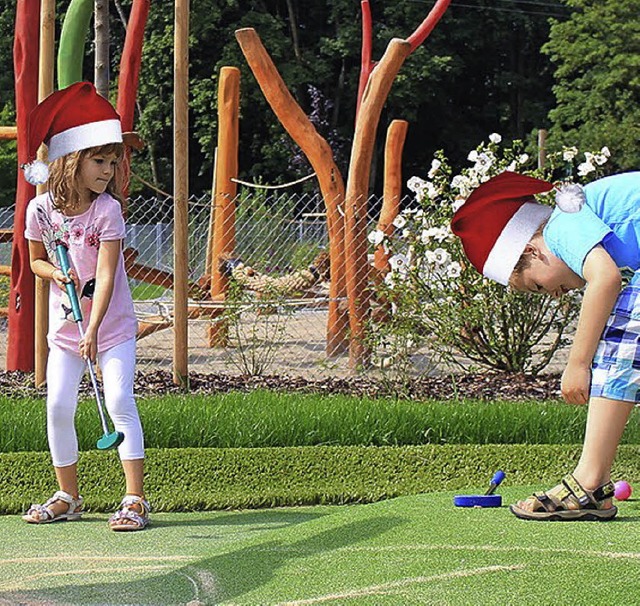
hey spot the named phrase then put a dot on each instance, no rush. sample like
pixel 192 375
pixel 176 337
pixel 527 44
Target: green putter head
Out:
pixel 110 440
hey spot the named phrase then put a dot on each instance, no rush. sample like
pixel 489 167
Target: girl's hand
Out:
pixel 89 345
pixel 60 279
pixel 575 384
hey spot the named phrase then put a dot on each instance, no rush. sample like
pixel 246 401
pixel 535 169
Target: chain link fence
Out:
pixel 275 316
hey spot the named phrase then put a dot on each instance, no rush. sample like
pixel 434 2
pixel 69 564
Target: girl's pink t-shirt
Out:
pixel 82 234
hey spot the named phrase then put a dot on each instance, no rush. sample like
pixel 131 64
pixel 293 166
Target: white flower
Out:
pixel 442 256
pixel 569 153
pixel 513 166
pixel 389 280
pixel 600 159
pixel 399 222
pixel 435 165
pixel 495 138
pixel 376 237
pixel 605 152
pixel 585 168
pixel 416 184
pixel 523 158
pixel 425 236
pixel 484 162
pixel 473 156
pixel 454 269
pixel 440 233
pixel 399 263
pixel 430 257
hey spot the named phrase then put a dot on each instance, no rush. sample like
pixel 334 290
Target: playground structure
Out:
pixel 349 296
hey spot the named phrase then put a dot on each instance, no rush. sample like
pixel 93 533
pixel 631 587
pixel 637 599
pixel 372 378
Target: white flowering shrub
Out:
pixel 433 296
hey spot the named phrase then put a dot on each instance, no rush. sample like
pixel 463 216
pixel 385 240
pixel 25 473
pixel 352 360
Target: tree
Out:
pixel 597 58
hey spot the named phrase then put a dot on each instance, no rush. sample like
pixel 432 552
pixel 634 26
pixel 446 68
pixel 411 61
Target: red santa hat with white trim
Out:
pixel 69 120
pixel 499 218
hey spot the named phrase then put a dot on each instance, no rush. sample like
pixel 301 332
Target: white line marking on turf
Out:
pixel 23 583
pixel 127 558
pixel 394 585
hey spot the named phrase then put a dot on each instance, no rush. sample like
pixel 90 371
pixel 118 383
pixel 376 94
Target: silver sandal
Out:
pixel 128 519
pixel 46 515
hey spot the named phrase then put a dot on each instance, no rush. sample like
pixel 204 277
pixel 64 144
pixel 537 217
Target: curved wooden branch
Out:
pixel 356 267
pixel 320 156
pixel 396 135
pixel 426 27
pixel 366 64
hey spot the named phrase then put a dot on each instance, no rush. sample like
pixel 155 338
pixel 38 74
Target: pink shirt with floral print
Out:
pixel 82 234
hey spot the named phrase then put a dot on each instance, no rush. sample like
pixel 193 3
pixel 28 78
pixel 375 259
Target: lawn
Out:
pixel 404 551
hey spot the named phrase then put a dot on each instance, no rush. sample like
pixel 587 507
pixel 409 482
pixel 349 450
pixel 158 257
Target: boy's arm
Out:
pixel 603 287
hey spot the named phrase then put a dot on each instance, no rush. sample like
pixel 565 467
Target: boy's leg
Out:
pixel 606 421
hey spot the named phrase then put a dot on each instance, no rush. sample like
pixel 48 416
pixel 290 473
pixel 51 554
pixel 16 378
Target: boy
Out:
pixel 510 238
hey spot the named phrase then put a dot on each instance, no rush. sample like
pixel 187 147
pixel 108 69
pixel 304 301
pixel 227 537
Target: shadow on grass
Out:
pixel 219 578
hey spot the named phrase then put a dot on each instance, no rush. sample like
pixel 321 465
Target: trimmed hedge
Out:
pixel 206 479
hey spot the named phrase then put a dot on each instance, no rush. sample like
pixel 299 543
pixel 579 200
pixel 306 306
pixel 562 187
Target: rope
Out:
pixel 258 186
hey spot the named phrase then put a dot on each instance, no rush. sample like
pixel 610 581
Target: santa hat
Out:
pixel 67 121
pixel 499 218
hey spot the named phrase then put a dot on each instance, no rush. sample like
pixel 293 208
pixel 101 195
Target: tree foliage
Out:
pixel 597 58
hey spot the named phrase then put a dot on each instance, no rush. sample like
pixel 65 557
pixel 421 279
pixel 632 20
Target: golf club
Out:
pixel 109 439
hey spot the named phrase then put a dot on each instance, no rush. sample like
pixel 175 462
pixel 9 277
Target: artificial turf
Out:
pixel 410 550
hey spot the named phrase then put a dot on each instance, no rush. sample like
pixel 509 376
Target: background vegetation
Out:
pixel 508 66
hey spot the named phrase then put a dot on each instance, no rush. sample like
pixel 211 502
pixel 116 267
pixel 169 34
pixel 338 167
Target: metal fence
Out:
pixel 277 236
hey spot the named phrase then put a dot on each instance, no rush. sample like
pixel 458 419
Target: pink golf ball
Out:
pixel 623 490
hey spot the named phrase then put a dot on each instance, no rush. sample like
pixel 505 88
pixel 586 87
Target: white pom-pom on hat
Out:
pixel 570 197
pixel 36 172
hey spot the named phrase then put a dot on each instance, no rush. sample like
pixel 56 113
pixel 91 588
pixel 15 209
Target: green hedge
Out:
pixel 205 479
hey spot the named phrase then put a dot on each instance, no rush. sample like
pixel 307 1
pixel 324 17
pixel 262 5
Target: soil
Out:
pixel 485 386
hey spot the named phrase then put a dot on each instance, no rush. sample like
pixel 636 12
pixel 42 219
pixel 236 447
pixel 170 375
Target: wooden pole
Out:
pixel 224 213
pixel 356 266
pixel 101 59
pixel 181 192
pixel 8 133
pixel 320 156
pixel 396 135
pixel 45 88
pixel 542 148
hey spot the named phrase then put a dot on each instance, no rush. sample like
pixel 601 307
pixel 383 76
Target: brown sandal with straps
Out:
pixel 569 501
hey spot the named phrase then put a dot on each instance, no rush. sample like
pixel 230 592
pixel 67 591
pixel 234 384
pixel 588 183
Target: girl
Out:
pixel 82 209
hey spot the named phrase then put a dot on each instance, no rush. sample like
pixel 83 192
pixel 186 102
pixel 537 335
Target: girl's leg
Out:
pixel 118 369
pixel 64 371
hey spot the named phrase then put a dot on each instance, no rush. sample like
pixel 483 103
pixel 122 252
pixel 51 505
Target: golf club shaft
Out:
pixel 94 382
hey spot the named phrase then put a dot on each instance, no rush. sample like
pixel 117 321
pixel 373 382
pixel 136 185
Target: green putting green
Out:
pixel 405 551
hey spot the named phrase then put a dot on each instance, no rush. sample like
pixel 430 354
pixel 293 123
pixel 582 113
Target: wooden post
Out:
pixel 223 210
pixel 45 88
pixel 101 59
pixel 356 266
pixel 396 135
pixel 181 193
pixel 542 148
pixel 8 133
pixel 320 156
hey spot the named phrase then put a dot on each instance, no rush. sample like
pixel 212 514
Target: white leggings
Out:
pixel 64 372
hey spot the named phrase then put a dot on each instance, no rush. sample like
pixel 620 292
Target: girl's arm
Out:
pixel 603 287
pixel 43 268
pixel 108 258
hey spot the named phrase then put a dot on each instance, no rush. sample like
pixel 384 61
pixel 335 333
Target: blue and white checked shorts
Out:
pixel 615 371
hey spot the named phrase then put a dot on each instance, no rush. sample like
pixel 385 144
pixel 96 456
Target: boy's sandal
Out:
pixel 569 501
pixel 127 518
pixel 46 515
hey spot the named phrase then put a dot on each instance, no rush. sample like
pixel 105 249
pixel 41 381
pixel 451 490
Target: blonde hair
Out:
pixel 64 172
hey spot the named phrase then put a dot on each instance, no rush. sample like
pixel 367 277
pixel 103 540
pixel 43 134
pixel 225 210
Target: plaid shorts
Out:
pixel 615 371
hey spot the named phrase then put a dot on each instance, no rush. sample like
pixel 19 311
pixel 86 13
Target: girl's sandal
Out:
pixel 46 515
pixel 569 501
pixel 132 514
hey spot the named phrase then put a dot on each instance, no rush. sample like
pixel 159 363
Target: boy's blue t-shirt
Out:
pixel 610 216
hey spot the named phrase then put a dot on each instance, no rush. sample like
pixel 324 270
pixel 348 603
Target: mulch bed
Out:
pixel 485 386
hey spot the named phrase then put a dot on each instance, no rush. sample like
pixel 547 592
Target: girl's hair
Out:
pixel 63 176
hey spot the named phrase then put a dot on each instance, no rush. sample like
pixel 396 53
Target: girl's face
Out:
pixel 96 171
